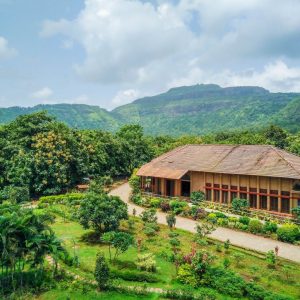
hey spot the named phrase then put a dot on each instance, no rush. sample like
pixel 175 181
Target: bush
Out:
pixel 222 222
pixel 186 275
pixel 197 197
pixel 220 215
pixel 271 258
pixel 244 220
pixel 255 226
pixel 165 205
pixel 212 217
pixel 146 262
pixel 240 204
pixel 288 233
pixel 149 216
pixel 178 206
pixel 16 194
pixel 155 202
pixel 70 198
pixel 137 199
pixel 101 271
pixel 270 227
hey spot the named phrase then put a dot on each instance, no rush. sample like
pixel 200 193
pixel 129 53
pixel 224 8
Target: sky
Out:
pixel 111 52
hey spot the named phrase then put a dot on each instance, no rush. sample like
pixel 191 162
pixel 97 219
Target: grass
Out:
pixel 59 294
pixel 283 279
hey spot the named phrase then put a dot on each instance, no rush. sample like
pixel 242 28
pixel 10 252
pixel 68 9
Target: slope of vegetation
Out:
pixel 198 109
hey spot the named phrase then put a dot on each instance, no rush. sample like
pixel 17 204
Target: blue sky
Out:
pixel 109 53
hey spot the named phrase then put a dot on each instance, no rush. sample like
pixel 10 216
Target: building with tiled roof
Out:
pixel 269 177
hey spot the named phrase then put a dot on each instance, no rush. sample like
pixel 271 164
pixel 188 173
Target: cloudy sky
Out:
pixel 109 52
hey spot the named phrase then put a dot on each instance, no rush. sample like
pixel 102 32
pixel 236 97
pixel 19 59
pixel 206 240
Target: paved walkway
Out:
pixel 237 238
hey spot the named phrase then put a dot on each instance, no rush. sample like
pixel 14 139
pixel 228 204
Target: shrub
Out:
pixel 270 227
pixel 101 271
pixel 135 183
pixel 227 244
pixel 155 202
pixel 271 258
pixel 136 199
pixel 177 206
pixel 186 275
pixel 238 258
pixel 212 217
pixel 240 204
pixel 220 215
pixel 288 233
pixel 165 205
pixel 171 220
pixel 197 197
pixel 255 226
pixel 70 198
pixel 226 262
pixel 222 222
pixel 146 262
pixel 244 220
pixel 16 194
pixel 149 216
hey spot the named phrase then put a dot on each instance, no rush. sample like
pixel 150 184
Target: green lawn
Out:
pixel 58 294
pixel 284 279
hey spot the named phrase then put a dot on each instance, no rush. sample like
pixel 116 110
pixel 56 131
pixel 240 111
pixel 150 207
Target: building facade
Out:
pixel 268 177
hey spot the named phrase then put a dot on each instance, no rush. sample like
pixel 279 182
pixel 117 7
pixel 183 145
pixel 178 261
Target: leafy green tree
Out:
pixel 197 197
pixel 102 212
pixel 277 136
pixel 120 241
pixel 102 272
pixel 149 216
pixel 171 220
pixel 201 261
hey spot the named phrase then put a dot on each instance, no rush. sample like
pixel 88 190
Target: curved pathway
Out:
pixel 237 238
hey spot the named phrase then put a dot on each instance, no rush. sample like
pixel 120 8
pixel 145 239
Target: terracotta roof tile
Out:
pixel 258 160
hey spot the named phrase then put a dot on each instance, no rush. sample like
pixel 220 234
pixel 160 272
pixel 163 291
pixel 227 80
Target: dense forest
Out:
pixel 190 109
pixel 40 155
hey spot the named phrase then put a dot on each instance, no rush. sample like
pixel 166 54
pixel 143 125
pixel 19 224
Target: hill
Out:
pixel 198 109
pixel 75 115
pixel 203 109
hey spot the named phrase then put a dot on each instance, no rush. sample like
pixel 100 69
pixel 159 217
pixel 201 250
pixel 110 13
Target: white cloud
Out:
pixel 124 97
pixel 160 44
pixel 43 93
pixel 5 50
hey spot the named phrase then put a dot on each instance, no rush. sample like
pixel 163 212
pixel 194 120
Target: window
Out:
pixel 208 195
pixel 216 195
pixel 263 199
pixel 285 205
pixel 274 203
pixel 233 192
pixel 243 192
pixel 225 197
pixel 253 198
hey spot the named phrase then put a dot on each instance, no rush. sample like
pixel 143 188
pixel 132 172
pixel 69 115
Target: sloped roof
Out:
pixel 257 160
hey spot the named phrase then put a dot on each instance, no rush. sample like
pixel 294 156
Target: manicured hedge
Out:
pixel 73 198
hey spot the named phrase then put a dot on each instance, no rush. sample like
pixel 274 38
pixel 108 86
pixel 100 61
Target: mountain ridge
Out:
pixel 196 109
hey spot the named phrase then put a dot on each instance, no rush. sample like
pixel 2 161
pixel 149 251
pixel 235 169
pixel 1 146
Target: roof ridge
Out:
pixel 278 153
pixel 229 152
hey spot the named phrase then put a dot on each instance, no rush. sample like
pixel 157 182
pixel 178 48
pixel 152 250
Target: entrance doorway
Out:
pixel 170 188
pixel 185 188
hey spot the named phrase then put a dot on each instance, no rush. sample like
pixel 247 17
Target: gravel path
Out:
pixel 238 238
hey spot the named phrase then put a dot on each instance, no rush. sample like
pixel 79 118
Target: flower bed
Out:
pixel 269 227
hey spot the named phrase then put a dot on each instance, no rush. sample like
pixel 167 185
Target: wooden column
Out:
pixel 229 193
pixel 279 196
pixel 221 192
pixel 238 187
pixel 268 197
pixel 212 191
pixel 258 190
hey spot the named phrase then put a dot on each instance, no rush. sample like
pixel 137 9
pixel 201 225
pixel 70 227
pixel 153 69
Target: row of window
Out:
pixel 256 200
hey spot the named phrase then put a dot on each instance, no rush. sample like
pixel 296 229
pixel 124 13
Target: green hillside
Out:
pixel 75 115
pixel 197 109
pixel 209 108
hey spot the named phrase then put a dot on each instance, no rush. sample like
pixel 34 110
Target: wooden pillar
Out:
pixel 268 197
pixel 204 176
pixel 258 190
pixel 163 186
pixel 221 192
pixel 279 196
pixel 212 185
pixel 229 193
pixel 238 187
pixel 248 188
